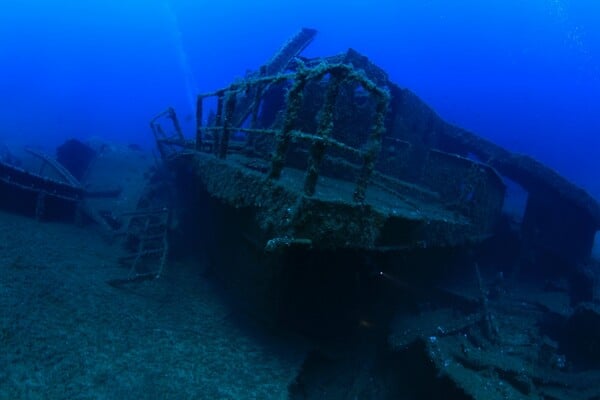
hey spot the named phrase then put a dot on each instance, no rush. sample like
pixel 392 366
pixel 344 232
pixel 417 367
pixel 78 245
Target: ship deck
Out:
pixel 386 220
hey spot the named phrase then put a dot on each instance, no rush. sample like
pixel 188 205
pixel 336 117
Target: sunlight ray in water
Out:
pixel 174 28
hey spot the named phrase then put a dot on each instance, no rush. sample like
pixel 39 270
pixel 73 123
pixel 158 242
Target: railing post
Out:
pixel 373 148
pixel 173 117
pixel 317 150
pixel 294 103
pixel 229 109
pixel 199 112
pixel 218 121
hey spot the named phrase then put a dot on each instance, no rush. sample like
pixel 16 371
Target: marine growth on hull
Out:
pixel 352 206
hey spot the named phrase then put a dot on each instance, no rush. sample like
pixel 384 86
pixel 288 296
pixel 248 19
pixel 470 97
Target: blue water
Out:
pixel 525 74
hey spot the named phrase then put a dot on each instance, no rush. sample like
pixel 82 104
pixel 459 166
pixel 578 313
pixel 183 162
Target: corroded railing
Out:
pixel 340 75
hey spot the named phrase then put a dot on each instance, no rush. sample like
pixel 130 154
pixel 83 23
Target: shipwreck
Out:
pixel 328 199
pixel 312 169
pixel 331 202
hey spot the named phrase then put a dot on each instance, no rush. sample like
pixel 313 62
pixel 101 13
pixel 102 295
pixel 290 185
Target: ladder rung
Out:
pixel 152 237
pixel 151 250
pixel 143 253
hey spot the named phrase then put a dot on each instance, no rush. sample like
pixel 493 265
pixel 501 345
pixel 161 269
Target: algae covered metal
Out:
pixel 309 173
pixel 311 148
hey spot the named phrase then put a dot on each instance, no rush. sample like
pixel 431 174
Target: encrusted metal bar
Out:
pixel 61 170
pixel 256 104
pixel 294 103
pixel 199 116
pixel 229 109
pixel 242 87
pixel 218 122
pixel 173 117
pixel 345 74
pixel 317 149
pixel 290 50
pixel 160 135
pixel 373 147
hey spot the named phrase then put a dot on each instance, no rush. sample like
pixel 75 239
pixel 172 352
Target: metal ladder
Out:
pixel 146 242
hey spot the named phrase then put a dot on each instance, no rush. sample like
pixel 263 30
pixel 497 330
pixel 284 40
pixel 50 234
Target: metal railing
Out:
pixel 229 118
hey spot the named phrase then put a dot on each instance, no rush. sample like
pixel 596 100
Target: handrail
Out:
pixel 224 124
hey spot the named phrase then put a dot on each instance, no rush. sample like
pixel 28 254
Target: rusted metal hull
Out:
pixel 323 171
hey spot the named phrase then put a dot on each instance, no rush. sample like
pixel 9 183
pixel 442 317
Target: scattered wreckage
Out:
pixel 99 183
pixel 328 199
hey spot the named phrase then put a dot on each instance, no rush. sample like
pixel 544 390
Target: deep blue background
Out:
pixel 523 73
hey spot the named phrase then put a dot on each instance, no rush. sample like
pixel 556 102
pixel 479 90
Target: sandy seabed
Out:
pixel 66 334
